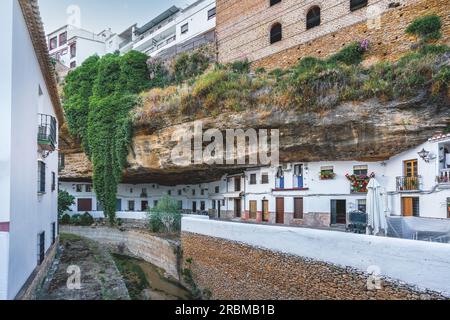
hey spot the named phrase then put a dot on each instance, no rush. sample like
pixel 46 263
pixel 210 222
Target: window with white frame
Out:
pixel 184 28
pixel 211 13
pixel 361 170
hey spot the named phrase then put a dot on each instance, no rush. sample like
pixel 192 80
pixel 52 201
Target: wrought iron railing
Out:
pixel 47 132
pixel 409 183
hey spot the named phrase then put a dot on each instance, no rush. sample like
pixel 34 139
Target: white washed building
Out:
pixel 416 184
pixel 133 201
pixel 29 119
pixel 316 194
pixel 177 29
pixel 173 31
pixel 72 46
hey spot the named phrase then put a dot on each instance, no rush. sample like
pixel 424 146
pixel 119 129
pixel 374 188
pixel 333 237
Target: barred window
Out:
pixel 41 177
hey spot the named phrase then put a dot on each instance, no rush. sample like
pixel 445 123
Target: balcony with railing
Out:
pixel 46 132
pixel 409 184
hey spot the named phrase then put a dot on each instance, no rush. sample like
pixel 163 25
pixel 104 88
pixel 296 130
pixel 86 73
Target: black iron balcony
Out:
pixel 409 183
pixel 46 132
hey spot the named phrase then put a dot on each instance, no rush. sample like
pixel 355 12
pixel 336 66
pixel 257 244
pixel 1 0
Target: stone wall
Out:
pixel 163 253
pixel 234 271
pixel 239 260
pixel 243 29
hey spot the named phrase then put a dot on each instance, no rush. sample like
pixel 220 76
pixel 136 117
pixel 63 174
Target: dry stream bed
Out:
pixel 105 274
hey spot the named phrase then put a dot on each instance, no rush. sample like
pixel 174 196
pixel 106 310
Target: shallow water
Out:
pixel 157 287
pixel 159 283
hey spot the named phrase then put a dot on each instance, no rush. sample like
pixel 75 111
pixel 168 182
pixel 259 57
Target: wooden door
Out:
pixel 144 206
pixel 253 210
pixel 407 207
pixel 194 206
pixel 265 210
pixel 84 205
pixel 298 208
pixel 280 211
pixel 237 208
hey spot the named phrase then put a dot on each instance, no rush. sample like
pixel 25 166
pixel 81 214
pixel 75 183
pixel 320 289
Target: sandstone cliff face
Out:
pixel 372 130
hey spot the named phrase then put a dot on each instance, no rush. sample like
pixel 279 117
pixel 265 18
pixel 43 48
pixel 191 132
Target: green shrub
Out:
pixel 441 80
pixel 165 217
pixel 158 73
pixel 277 73
pixel 434 49
pixel 349 55
pixel 260 70
pixel 65 219
pixel 86 220
pixel 207 82
pixel 134 73
pixel 65 200
pixel 75 219
pixel 242 66
pixel 427 27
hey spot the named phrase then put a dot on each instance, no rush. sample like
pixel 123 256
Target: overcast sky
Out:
pixel 97 15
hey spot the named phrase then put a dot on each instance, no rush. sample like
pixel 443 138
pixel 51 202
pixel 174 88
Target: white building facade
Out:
pixel 72 46
pixel 415 183
pixel 175 27
pixel 28 157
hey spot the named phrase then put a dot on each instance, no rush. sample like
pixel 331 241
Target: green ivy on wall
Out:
pixel 98 98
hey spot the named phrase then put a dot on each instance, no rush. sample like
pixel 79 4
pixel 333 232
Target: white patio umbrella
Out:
pixel 376 221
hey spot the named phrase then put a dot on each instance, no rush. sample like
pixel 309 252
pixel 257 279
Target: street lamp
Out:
pixel 424 154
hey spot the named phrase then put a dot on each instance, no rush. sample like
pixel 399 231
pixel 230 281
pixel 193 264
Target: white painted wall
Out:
pixel 155 192
pixel 422 264
pixel 29 214
pixel 5 106
pixel 5 137
pixel 4 262
pixel 87 44
pixel 197 18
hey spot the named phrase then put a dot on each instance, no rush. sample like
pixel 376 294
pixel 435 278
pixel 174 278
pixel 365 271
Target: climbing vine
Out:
pixel 98 98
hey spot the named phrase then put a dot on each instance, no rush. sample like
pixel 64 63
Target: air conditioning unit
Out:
pixel 287 167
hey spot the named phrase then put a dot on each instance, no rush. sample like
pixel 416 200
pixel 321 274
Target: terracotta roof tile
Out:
pixel 30 10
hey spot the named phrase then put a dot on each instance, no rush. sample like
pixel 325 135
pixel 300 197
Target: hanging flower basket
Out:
pixel 359 183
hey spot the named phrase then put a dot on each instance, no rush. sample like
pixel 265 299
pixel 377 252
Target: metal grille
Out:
pixel 47 130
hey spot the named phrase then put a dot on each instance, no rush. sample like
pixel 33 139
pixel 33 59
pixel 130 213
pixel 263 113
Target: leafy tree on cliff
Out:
pixel 99 96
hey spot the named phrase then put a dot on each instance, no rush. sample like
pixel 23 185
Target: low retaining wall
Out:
pixel 161 252
pixel 236 260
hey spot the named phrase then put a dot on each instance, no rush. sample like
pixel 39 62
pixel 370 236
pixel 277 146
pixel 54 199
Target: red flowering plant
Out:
pixel 359 183
pixel 327 175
